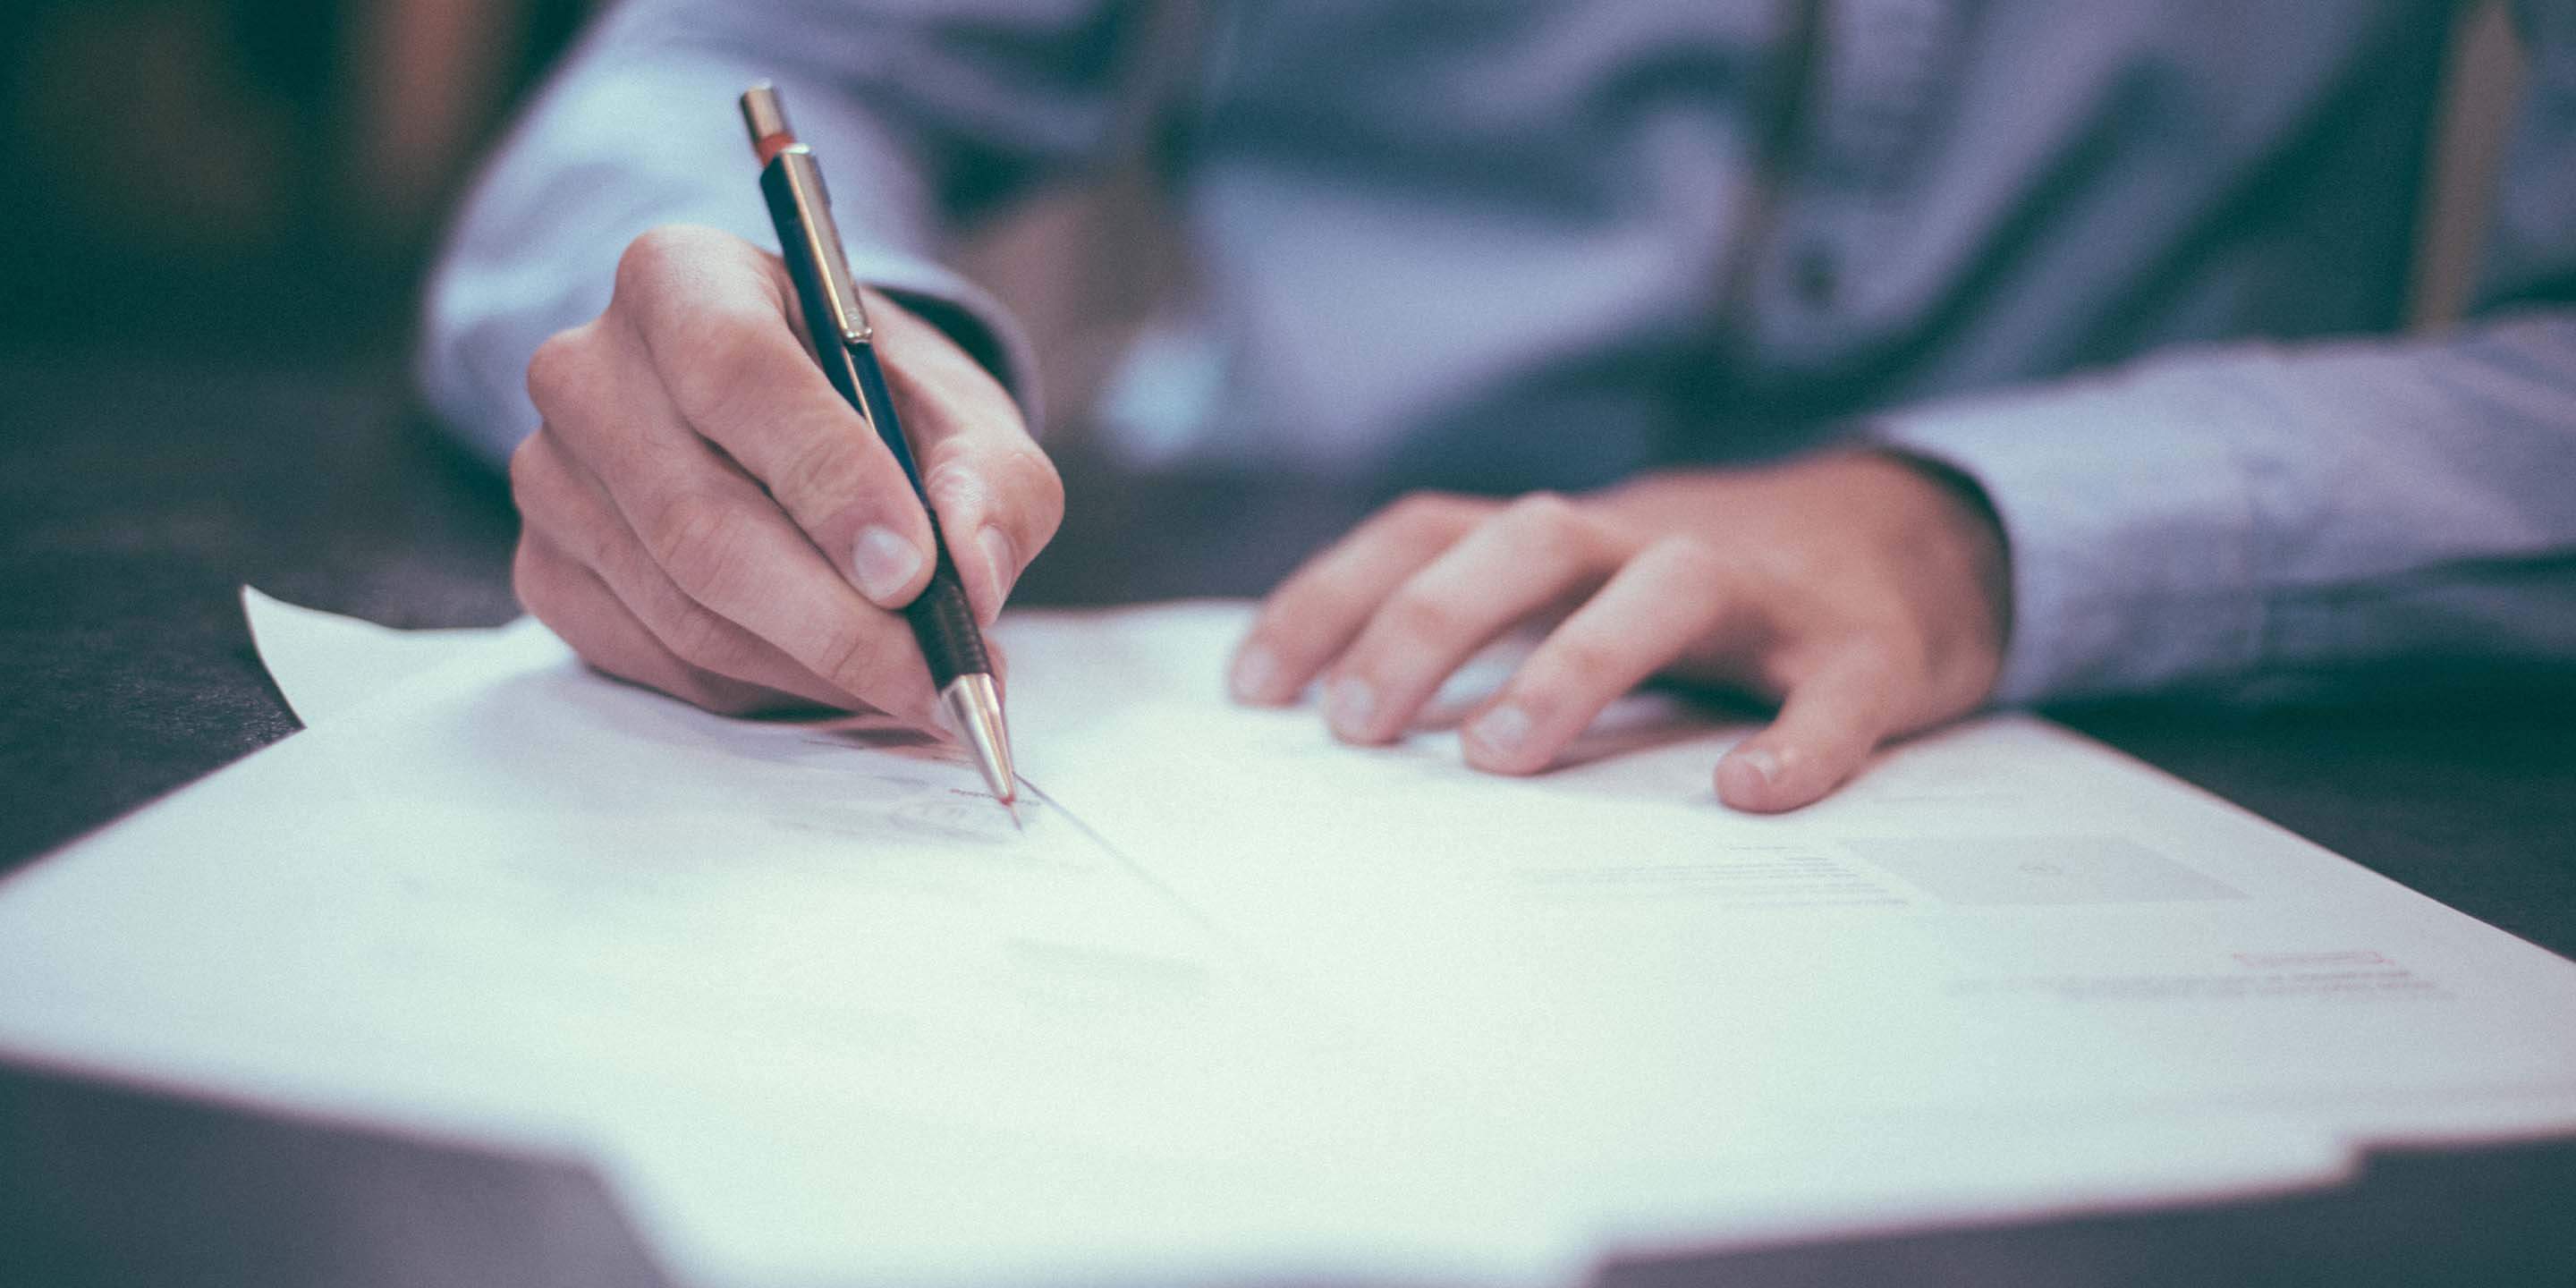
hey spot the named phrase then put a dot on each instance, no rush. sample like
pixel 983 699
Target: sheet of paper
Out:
pixel 1234 1001
pixel 741 965
pixel 2004 915
pixel 327 665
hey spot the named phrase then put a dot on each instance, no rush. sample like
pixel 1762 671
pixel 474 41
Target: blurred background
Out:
pixel 259 177
pixel 261 181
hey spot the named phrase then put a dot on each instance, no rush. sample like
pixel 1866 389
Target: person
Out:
pixel 1883 358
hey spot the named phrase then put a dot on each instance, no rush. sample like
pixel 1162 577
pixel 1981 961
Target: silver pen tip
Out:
pixel 975 711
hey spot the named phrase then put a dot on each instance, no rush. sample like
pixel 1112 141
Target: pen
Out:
pixel 846 345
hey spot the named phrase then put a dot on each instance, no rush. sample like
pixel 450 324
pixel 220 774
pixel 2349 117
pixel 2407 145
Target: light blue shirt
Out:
pixel 2134 267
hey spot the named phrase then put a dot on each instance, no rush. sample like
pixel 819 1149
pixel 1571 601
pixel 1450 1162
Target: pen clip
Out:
pixel 823 244
pixel 766 116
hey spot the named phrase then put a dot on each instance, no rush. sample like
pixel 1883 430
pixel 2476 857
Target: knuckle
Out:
pixel 957 488
pixel 1542 519
pixel 528 474
pixel 1032 478
pixel 1883 657
pixel 699 638
pixel 528 581
pixel 1418 617
pixel 649 260
pixel 1309 607
pixel 1423 511
pixel 697 539
pixel 819 466
pixel 1868 647
pixel 1004 481
pixel 855 658
pixel 1027 492
pixel 721 358
pixel 716 693
pixel 554 370
pixel 1582 661
pixel 1690 560
pixel 1281 624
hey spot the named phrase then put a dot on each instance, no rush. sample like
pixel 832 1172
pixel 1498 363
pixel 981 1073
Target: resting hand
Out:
pixel 703 514
pixel 1865 594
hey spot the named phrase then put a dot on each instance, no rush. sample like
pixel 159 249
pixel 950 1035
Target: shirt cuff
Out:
pixel 2131 510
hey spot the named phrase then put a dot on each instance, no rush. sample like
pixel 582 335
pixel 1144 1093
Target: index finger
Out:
pixel 1312 616
pixel 716 317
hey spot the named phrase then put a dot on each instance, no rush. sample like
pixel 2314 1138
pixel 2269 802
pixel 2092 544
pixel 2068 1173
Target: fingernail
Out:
pixel 1253 674
pixel 1746 776
pixel 884 563
pixel 1348 705
pixel 1002 562
pixel 1500 730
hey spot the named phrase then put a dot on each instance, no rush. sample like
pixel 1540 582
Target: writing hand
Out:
pixel 703 514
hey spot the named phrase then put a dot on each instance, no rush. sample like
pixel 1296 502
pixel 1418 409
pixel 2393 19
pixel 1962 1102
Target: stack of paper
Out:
pixel 1230 1000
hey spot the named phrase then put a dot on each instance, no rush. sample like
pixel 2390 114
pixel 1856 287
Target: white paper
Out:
pixel 1236 1001
pixel 2001 924
pixel 327 665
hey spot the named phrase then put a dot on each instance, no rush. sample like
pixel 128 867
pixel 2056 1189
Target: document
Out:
pixel 325 664
pixel 1228 999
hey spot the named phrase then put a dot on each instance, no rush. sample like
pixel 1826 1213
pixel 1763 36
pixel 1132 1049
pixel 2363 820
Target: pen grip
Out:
pixel 944 626
pixel 942 622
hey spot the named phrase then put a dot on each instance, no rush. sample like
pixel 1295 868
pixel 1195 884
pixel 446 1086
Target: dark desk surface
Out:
pixel 130 512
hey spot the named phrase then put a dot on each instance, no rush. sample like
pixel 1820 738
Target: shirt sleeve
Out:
pixel 2274 521
pixel 921 114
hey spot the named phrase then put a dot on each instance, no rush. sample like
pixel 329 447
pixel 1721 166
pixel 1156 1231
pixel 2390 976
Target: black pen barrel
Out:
pixel 941 620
